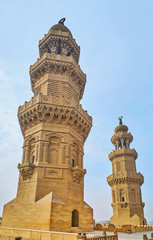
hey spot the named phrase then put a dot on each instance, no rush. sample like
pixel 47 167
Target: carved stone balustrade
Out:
pixel 136 178
pixel 123 153
pixel 45 109
pixel 57 65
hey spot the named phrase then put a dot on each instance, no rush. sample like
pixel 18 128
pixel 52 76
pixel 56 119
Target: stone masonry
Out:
pixel 125 181
pixel 50 193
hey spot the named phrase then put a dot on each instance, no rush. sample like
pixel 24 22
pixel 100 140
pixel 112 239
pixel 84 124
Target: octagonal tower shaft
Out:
pixel 125 181
pixel 55 127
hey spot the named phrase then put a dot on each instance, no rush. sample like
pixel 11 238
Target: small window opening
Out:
pixel 48 49
pixel 70 52
pixel 59 50
pixel 73 162
pixel 33 159
pixel 122 199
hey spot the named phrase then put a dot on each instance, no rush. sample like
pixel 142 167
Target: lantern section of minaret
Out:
pixel 54 125
pixel 124 181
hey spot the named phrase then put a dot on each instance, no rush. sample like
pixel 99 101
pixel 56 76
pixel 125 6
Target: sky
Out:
pixel 116 40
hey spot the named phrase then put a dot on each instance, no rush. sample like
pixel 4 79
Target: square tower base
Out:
pixel 49 213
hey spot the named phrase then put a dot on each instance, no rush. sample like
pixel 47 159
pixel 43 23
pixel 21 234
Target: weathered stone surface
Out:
pixel 125 181
pixel 11 234
pixel 54 125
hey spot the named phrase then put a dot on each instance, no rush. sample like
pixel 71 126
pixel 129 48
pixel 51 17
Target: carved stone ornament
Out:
pixel 26 170
pixel 139 180
pixel 53 173
pixel 49 65
pixel 78 176
pixel 41 112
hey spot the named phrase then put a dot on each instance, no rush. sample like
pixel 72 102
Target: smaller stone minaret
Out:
pixel 125 181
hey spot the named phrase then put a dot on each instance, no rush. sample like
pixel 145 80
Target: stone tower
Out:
pixel 125 181
pixel 50 193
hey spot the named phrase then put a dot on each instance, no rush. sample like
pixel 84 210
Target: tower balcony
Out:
pixel 43 108
pixel 114 179
pixel 57 65
pixel 123 152
pixel 120 135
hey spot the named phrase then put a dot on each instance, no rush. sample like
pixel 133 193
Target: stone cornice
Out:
pixel 123 153
pixel 48 109
pixel 58 65
pixel 114 180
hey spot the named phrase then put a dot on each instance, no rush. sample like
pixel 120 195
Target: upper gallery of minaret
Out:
pixel 57 79
pixel 56 47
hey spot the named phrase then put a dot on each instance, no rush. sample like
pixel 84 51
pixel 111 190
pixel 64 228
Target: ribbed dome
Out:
pixel 121 128
pixel 61 27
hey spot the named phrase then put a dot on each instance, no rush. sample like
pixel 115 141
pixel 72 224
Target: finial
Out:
pixel 62 21
pixel 120 120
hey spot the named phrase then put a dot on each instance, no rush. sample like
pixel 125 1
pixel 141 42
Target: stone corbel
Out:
pixel 26 170
pixel 78 174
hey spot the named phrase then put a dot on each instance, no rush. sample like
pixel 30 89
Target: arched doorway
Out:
pixel 75 218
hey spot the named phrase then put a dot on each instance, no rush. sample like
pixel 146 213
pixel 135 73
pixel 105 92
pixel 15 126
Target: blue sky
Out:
pixel 116 40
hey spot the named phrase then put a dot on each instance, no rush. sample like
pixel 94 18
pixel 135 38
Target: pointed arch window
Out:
pixel 75 218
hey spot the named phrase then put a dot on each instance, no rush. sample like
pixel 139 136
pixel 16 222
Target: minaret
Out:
pixel 54 125
pixel 125 181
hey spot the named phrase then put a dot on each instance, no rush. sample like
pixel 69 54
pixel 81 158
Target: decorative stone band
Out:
pixel 40 111
pixel 67 46
pixel 53 172
pixel 123 204
pixel 127 204
pixel 138 179
pixel 55 100
pixel 123 153
pixel 58 65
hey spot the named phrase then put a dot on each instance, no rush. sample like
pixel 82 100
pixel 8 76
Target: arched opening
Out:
pixel 53 156
pixel 33 159
pixel 32 155
pixel 75 218
pixel 73 163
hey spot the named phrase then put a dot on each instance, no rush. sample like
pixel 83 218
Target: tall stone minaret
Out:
pixel 125 181
pixel 54 125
